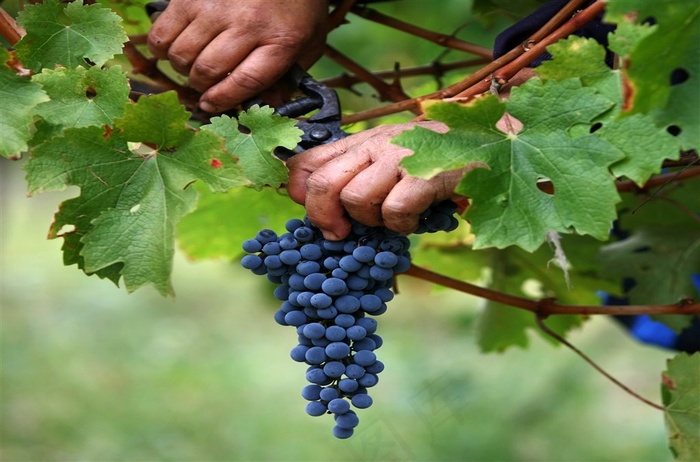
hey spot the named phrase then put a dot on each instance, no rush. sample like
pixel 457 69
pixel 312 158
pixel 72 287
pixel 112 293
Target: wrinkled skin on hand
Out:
pixel 232 51
pixel 359 176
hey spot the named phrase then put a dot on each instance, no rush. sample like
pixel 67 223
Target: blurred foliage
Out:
pixel 91 373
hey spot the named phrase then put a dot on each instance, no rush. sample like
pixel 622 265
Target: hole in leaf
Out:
pixel 595 127
pixel 545 185
pixel 628 284
pixel 674 130
pixel 243 129
pixel 90 93
pixel 679 75
pixel 65 229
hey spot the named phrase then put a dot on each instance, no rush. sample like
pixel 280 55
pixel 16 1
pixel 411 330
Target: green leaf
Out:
pixel 133 13
pixel 254 144
pixel 222 221
pixel 132 194
pixel 530 275
pixel 68 34
pixel 645 145
pixel 18 98
pixel 680 388
pixel 585 59
pixel 660 259
pixel 507 208
pixel 81 97
pixel 669 49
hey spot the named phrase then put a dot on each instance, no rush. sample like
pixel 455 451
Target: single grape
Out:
pixel 349 420
pixel 316 408
pixel 386 259
pixel 329 394
pixel 298 353
pixel 266 235
pixel 368 380
pixel 272 248
pixel 334 369
pixel 312 392
pixel 311 252
pixel 364 254
pixel 251 262
pixel 361 401
pixel 252 245
pixel 337 350
pixel 314 330
pixel 338 406
pixel 334 287
pixel 348 385
pixel 354 371
pixel 349 263
pixel 364 357
pixel 342 433
pixel 335 333
pixel 316 355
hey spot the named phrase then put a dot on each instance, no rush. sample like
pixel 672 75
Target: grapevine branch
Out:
pixel 483 76
pixel 391 92
pixel 536 49
pixel 548 306
pixel 563 341
pixel 436 69
pixel 446 41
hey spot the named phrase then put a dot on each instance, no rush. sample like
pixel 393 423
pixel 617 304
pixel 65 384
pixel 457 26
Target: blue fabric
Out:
pixel 647 330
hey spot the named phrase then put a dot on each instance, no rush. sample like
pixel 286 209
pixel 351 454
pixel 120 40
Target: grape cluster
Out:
pixel 329 292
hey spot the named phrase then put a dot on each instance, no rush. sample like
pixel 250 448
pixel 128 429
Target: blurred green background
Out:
pixel 91 373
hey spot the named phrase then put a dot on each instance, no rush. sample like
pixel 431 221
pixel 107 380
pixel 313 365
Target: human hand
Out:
pixel 359 176
pixel 234 50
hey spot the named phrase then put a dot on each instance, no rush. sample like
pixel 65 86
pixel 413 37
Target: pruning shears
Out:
pixel 324 125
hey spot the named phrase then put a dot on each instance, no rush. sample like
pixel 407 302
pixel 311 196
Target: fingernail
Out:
pixel 206 106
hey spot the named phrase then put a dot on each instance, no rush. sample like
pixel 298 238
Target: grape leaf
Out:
pixel 531 275
pixel 68 34
pixel 135 19
pixel 219 225
pixel 133 190
pixel 18 98
pixel 669 51
pixel 645 144
pixel 583 58
pixel 680 390
pixel 82 97
pixel 254 144
pixel 661 259
pixel 507 207
pixel 643 210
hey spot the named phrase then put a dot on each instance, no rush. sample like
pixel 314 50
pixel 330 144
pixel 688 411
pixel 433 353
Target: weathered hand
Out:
pixel 360 176
pixel 234 50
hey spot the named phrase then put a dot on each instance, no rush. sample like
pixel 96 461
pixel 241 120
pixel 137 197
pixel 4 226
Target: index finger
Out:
pixel 255 73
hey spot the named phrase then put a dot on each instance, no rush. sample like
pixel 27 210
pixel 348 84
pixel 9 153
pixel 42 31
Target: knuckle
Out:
pixel 248 81
pixel 318 185
pixel 351 198
pixel 398 217
pixel 206 72
pixel 179 61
